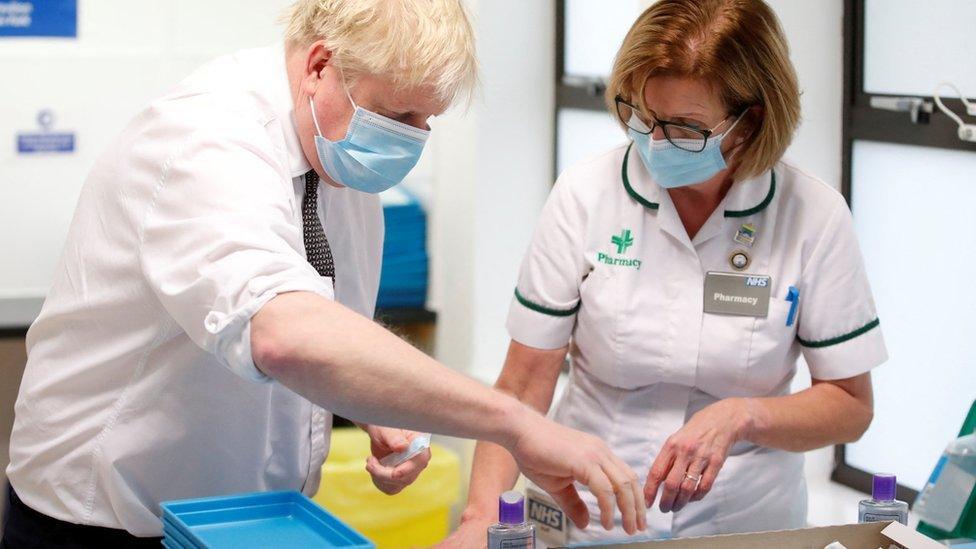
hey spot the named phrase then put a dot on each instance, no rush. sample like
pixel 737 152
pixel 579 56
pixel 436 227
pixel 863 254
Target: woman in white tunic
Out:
pixel 685 273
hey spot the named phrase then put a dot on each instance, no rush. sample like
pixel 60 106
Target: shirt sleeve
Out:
pixel 218 242
pixel 838 326
pixel 543 310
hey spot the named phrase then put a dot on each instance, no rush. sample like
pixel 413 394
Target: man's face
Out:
pixel 321 80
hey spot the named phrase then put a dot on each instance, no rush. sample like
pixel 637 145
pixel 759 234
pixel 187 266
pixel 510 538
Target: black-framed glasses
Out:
pixel 684 137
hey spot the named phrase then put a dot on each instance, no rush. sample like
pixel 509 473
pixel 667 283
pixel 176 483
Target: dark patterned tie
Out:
pixel 316 244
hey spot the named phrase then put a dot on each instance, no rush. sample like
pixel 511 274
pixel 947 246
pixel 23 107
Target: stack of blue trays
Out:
pixel 265 519
pixel 403 282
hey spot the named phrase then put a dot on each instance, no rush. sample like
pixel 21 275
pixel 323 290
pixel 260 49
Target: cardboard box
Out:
pixel 854 536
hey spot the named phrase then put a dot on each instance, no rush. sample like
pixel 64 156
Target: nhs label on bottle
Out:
pixel 550 522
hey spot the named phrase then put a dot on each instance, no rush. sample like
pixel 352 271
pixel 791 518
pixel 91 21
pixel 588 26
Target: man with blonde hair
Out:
pixel 214 295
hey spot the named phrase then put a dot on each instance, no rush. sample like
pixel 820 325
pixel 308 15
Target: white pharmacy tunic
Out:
pixel 140 386
pixel 612 271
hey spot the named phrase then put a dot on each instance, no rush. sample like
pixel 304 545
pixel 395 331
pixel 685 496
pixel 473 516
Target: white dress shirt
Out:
pixel 612 269
pixel 140 386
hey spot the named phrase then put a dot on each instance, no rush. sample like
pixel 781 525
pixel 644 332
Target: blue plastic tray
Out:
pixel 266 519
pixel 177 537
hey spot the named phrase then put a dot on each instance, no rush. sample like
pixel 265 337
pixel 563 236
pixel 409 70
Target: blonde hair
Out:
pixel 413 42
pixel 735 46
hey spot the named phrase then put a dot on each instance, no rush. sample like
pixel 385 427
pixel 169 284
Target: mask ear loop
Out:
pixel 345 88
pixel 734 124
pixel 315 119
pixel 947 110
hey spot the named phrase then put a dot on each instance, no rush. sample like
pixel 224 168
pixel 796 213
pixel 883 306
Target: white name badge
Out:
pixel 737 294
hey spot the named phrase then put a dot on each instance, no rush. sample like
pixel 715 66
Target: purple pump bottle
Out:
pixel 883 506
pixel 511 531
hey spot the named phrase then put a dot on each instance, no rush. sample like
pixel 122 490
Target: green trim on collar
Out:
pixel 545 310
pixel 630 190
pixel 840 339
pixel 762 205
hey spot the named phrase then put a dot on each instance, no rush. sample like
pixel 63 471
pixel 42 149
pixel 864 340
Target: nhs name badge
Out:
pixel 737 294
pixel 551 524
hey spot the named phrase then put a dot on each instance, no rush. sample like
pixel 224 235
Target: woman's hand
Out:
pixel 385 441
pixel 692 457
pixel 471 534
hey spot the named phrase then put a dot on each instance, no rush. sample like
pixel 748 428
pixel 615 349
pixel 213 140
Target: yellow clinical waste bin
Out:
pixel 419 516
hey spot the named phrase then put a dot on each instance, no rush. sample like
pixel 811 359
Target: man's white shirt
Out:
pixel 140 386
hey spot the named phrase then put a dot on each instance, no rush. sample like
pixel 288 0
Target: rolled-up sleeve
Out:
pixel 219 241
pixel 838 326
pixel 547 296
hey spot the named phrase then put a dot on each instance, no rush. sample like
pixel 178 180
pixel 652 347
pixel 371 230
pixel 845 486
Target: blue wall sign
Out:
pixel 58 18
pixel 46 140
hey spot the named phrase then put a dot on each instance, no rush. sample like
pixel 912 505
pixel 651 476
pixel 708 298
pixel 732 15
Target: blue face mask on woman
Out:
pixel 376 153
pixel 672 167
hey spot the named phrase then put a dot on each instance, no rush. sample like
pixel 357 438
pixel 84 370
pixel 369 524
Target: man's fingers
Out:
pixel 629 498
pixel 638 504
pixel 411 468
pixel 601 487
pixel 378 470
pixel 568 499
pixel 394 439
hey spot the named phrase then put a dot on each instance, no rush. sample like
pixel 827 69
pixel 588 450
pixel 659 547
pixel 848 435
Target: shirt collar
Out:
pixel 284 107
pixel 745 198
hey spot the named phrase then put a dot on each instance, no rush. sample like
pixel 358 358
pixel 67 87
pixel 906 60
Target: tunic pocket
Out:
pixel 596 336
pixel 770 365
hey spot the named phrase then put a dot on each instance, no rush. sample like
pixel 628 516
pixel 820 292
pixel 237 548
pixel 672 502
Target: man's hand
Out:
pixel 555 457
pixel 385 441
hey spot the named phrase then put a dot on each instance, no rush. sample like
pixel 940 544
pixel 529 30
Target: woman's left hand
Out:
pixel 692 457
pixel 385 441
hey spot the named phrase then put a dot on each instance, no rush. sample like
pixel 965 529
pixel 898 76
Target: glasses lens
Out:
pixel 685 138
pixel 630 117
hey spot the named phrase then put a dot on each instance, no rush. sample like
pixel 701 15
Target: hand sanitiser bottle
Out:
pixel 883 505
pixel 511 531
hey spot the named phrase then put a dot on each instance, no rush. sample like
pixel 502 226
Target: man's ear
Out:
pixel 317 58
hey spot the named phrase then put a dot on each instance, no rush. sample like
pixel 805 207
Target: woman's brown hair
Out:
pixel 735 46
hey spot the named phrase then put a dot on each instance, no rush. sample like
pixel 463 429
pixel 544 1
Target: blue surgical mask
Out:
pixel 672 167
pixel 376 153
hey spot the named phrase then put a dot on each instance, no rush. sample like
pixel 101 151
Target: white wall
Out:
pixel 492 174
pixel 126 53
pixel 815 33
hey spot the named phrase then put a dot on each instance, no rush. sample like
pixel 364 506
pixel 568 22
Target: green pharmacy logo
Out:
pixel 622 241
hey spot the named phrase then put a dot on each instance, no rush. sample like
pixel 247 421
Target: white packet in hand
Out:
pixel 417 445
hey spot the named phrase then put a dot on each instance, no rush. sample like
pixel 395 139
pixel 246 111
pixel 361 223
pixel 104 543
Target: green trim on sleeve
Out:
pixel 630 190
pixel 759 207
pixel 545 310
pixel 840 339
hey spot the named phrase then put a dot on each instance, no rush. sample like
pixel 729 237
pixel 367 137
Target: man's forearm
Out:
pixel 350 365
